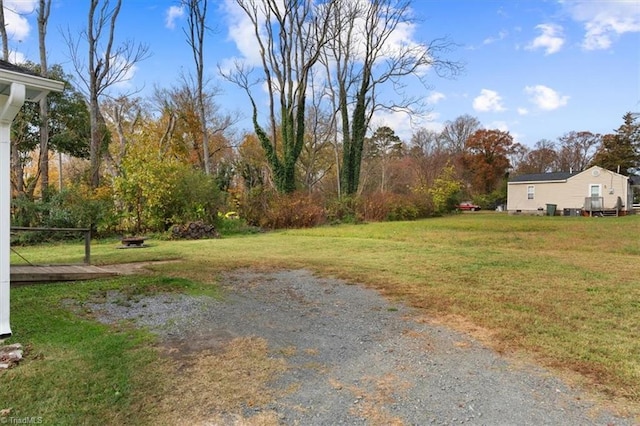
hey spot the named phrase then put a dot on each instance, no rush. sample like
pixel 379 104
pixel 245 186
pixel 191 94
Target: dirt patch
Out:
pixel 135 267
pixel 213 385
pixel 291 348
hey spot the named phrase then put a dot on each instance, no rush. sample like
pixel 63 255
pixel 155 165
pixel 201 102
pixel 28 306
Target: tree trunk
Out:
pixel 3 33
pixel 195 39
pixel 43 17
pixel 16 166
pixel 96 138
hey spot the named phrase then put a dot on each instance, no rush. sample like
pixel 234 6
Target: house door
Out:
pixel 595 192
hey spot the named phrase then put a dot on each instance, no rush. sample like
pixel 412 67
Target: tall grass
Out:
pixel 563 290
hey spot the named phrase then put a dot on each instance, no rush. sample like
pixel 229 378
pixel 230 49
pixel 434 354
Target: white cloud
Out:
pixel 546 98
pixel 17 25
pixel 126 82
pixel 435 97
pixel 551 39
pixel 173 13
pixel 242 33
pixel 17 57
pixel 604 21
pixel 498 125
pixel 523 111
pixel 404 124
pixel 488 100
pixel 501 36
pixel 399 41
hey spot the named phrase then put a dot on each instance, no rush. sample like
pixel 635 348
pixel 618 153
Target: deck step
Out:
pixel 21 274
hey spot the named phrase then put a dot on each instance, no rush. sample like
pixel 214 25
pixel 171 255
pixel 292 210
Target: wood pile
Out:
pixel 194 231
pixel 10 355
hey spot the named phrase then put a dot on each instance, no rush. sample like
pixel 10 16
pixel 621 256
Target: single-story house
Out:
pixel 593 191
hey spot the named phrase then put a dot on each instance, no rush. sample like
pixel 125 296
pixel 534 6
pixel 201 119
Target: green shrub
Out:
pixel 445 192
pixel 73 207
pixel 492 200
pixel 342 210
pixel 402 208
pixel 196 196
pixel 153 195
pixel 232 224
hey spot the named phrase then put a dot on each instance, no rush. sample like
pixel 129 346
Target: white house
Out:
pixel 16 86
pixel 595 190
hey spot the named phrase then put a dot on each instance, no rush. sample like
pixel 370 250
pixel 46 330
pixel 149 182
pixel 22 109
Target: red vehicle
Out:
pixel 468 205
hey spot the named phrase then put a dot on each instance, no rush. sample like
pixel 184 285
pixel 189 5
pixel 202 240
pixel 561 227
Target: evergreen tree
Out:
pixel 620 151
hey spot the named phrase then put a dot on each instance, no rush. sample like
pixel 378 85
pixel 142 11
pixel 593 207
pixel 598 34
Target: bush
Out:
pixel 297 210
pixel 153 195
pixel 271 210
pixel 73 207
pixel 254 204
pixel 231 223
pixel 492 200
pixel 342 210
pixel 196 197
pixel 382 206
pixel 445 192
pixel 80 207
pixel 403 208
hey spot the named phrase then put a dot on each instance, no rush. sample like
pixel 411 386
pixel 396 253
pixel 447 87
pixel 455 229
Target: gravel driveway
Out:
pixel 358 358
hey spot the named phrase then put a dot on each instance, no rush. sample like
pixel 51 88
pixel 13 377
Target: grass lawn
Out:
pixel 564 291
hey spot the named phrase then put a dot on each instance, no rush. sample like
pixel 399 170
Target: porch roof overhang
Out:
pixel 36 87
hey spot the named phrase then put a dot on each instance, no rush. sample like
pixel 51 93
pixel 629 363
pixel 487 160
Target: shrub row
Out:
pixel 197 199
pixel 269 210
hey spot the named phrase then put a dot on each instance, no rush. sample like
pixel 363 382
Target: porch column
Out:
pixel 9 107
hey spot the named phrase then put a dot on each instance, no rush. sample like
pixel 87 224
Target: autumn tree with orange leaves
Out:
pixel 486 159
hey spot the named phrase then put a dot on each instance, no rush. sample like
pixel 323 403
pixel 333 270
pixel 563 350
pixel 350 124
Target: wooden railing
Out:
pixel 592 204
pixel 86 231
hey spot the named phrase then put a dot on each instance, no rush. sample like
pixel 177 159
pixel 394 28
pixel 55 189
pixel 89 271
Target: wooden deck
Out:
pixel 22 274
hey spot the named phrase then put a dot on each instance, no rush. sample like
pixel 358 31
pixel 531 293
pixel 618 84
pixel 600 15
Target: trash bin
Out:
pixel 551 209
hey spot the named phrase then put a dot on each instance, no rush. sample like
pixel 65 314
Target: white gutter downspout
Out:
pixel 9 107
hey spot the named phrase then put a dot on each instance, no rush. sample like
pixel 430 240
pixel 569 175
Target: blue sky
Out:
pixel 537 69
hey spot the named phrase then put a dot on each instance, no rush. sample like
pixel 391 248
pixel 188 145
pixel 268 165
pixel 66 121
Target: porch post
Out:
pixel 9 107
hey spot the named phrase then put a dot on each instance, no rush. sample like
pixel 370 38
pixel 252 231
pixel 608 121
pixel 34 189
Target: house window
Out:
pixel 530 192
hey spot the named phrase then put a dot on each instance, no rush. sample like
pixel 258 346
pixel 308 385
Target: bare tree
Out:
pixel 107 65
pixel 577 150
pixel 316 159
pixel 196 21
pixel 361 58
pixel 181 119
pixel 457 132
pixel 290 36
pixel 542 159
pixel 426 142
pixel 44 9
pixel 124 115
pixel 429 154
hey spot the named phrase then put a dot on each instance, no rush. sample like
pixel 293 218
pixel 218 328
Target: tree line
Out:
pixel 138 164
